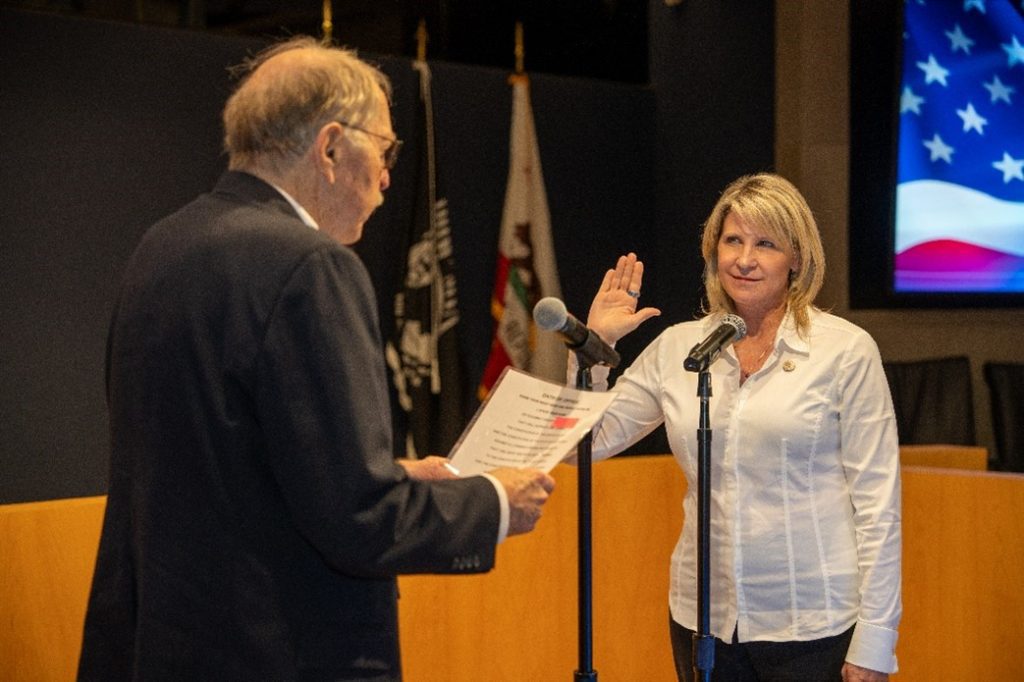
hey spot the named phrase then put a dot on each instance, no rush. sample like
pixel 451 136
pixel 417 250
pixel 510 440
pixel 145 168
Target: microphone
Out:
pixel 550 315
pixel 733 328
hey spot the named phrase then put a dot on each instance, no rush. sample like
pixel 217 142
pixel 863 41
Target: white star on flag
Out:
pixel 910 102
pixel 1013 169
pixel 999 91
pixel 972 120
pixel 1014 52
pixel 933 71
pixel 959 41
pixel 959 213
pixel 939 149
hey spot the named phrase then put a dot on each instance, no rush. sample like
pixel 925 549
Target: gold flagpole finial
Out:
pixel 328 24
pixel 421 41
pixel 519 51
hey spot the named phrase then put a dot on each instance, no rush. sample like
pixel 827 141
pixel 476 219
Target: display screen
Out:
pixel 959 199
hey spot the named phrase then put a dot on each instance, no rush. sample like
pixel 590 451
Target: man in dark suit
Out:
pixel 256 519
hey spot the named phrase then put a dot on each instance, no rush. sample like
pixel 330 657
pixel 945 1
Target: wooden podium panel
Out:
pixel 47 556
pixel 963 585
pixel 963 576
pixel 519 622
pixel 972 457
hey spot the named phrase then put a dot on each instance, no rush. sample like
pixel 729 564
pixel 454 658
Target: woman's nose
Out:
pixel 746 258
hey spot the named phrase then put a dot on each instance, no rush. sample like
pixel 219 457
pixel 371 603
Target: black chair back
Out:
pixel 1006 393
pixel 933 400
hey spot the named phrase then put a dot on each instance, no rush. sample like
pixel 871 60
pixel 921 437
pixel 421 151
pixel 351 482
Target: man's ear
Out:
pixel 327 148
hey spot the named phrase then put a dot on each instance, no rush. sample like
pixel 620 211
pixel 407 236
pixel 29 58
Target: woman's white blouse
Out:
pixel 805 501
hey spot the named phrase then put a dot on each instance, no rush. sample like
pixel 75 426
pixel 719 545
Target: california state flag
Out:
pixel 527 269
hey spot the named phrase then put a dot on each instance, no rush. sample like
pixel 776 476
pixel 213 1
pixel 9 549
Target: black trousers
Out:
pixel 817 660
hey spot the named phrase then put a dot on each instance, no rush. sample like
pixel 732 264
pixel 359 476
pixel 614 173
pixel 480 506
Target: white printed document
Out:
pixel 526 422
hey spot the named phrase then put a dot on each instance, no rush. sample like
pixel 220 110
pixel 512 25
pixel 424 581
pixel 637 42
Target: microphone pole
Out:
pixel 550 314
pixel 584 451
pixel 699 360
pixel 703 641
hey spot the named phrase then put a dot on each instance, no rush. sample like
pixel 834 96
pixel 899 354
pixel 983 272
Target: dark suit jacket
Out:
pixel 256 519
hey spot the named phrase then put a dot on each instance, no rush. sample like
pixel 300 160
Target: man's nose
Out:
pixel 385 179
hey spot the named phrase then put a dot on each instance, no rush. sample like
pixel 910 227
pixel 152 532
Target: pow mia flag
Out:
pixel 423 355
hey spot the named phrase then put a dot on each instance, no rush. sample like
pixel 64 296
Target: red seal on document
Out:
pixel 563 422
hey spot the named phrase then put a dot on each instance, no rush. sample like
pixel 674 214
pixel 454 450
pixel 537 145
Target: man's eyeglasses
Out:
pixel 390 152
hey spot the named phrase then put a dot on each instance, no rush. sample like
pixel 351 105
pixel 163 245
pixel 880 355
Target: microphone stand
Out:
pixel 703 642
pixel 586 672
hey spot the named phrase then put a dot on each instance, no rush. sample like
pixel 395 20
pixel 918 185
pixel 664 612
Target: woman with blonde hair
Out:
pixel 805 536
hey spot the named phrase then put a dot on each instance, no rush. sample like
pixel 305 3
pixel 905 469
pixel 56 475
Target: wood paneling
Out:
pixel 47 555
pixel 519 622
pixel 963 574
pixel 945 456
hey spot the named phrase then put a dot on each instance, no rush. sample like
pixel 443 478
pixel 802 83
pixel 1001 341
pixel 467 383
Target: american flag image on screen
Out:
pixel 960 194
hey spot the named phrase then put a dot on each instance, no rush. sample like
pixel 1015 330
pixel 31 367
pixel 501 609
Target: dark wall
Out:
pixel 106 127
pixel 103 129
pixel 120 125
pixel 712 69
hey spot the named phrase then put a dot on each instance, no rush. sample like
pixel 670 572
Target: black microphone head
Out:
pixel 737 322
pixel 550 314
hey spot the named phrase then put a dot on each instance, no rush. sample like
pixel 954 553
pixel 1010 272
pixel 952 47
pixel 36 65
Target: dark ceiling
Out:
pixel 604 39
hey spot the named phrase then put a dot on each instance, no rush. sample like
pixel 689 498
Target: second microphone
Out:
pixel 551 315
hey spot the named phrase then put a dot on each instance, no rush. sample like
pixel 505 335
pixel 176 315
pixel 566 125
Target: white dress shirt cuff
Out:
pixel 503 503
pixel 873 647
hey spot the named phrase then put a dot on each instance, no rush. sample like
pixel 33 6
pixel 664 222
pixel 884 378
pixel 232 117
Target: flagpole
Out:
pixel 327 22
pixel 520 52
pixel 421 41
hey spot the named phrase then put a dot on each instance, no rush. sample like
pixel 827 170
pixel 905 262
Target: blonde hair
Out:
pixel 274 118
pixel 775 205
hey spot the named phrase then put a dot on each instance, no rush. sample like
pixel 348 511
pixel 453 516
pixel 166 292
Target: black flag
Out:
pixel 423 355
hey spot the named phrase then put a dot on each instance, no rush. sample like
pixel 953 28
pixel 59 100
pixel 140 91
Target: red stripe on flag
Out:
pixel 498 359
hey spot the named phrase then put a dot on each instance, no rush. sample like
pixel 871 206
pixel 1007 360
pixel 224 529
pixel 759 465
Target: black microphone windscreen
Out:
pixel 736 321
pixel 550 314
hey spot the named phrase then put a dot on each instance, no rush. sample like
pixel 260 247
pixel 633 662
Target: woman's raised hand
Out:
pixel 613 312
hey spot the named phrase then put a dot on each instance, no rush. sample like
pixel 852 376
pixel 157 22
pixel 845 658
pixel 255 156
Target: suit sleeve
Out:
pixel 322 401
